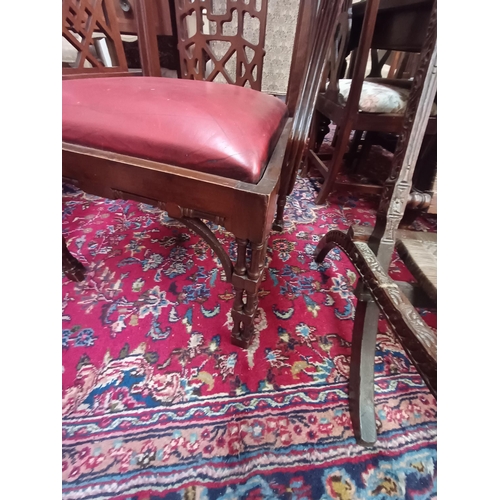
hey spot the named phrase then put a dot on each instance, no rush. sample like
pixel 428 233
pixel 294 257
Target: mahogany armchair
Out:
pixel 198 150
pixel 371 253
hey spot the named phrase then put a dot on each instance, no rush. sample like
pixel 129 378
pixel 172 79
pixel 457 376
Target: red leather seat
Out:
pixel 208 127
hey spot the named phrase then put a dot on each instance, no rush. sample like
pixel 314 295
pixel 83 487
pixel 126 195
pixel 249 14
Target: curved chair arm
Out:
pixel 417 338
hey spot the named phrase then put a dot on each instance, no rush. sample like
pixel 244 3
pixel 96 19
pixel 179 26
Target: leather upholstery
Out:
pixel 208 127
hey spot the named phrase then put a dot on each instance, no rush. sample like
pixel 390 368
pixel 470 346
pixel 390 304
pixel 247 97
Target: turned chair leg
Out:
pixel 72 267
pixel 279 222
pixel 246 281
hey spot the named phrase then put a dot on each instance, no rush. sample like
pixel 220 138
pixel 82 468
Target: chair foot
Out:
pixel 72 267
pixel 279 223
pixel 246 280
pixel 242 335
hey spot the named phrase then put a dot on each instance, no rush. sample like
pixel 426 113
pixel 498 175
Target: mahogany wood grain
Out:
pixel 244 209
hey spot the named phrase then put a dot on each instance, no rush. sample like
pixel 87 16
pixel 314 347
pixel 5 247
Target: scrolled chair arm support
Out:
pixel 417 338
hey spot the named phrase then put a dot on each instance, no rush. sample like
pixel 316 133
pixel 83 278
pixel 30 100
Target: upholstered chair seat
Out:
pixel 379 98
pixel 209 127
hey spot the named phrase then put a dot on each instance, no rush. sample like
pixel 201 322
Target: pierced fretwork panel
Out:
pixel 336 65
pixel 222 40
pixel 90 28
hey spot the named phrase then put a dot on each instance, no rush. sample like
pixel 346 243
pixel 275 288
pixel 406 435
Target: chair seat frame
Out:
pixel 246 210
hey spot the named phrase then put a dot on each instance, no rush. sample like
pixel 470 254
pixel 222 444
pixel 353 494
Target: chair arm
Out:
pixel 417 338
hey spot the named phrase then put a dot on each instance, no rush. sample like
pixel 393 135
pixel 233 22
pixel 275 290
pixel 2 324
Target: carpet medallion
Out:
pixel 158 404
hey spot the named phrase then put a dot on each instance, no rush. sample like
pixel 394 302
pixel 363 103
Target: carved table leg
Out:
pixel 361 378
pixel 246 281
pixel 72 267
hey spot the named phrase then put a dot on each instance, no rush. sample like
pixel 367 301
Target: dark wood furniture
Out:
pixel 113 130
pixel 224 44
pixel 81 19
pixel 401 24
pixel 371 253
pixel 364 28
pixel 126 15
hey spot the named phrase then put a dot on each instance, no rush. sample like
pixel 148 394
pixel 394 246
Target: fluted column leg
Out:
pixel 246 281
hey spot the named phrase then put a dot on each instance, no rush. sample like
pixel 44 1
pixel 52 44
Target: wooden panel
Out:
pixel 127 21
pixel 401 24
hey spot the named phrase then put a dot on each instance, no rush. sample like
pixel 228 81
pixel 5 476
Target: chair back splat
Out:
pixel 101 55
pixel 132 138
pixel 222 41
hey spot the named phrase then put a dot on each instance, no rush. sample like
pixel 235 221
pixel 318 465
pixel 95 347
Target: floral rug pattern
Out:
pixel 158 404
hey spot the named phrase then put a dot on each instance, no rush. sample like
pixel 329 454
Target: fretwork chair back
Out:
pixel 131 137
pixel 371 253
pixel 355 104
pixel 222 41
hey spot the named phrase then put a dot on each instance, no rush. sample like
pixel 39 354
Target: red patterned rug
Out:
pixel 158 404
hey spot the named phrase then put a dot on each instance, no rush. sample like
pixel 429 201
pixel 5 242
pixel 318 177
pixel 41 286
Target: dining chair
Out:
pixel 359 104
pixel 199 150
pixel 371 250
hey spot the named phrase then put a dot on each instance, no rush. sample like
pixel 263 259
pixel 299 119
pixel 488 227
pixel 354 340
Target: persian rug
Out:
pixel 158 404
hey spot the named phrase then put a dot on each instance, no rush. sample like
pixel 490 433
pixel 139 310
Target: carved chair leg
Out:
pixel 246 281
pixel 72 267
pixel 361 378
pixel 279 223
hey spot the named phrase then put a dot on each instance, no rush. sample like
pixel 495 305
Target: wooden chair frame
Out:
pixel 371 254
pixel 246 210
pixel 346 115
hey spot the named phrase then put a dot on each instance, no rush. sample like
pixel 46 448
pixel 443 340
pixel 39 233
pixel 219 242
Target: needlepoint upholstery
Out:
pixel 379 98
pixel 203 126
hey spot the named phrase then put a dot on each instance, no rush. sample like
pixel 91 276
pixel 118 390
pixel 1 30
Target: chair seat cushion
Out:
pixel 208 127
pixel 379 98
